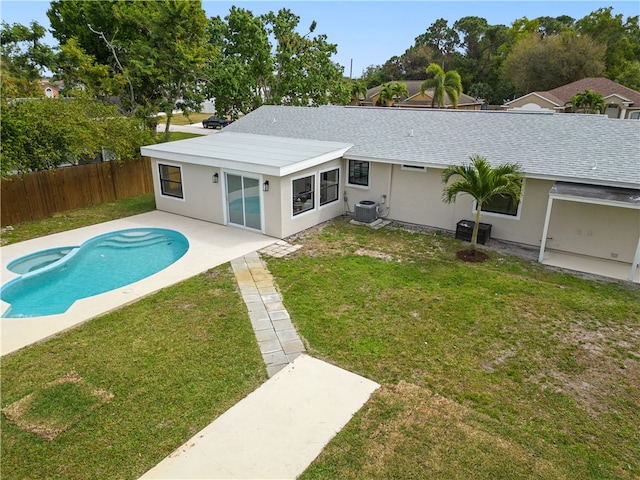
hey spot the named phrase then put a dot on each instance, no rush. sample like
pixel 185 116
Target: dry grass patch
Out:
pixel 57 406
pixel 524 371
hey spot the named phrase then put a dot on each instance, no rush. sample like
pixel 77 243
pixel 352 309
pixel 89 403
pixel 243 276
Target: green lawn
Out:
pixel 496 370
pixel 503 369
pixel 173 362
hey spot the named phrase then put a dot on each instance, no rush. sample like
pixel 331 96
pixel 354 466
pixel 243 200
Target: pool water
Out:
pixel 50 286
pixel 38 260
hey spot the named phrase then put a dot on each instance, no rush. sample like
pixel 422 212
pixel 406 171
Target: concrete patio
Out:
pixel 210 245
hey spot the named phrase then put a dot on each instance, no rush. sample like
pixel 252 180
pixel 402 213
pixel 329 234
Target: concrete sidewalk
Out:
pixel 276 431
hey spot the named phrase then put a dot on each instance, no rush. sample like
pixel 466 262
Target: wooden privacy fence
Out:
pixel 39 194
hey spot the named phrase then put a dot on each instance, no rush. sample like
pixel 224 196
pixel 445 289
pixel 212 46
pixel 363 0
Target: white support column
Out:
pixel 545 230
pixel 636 261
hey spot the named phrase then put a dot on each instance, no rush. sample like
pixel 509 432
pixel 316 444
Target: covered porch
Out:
pixel 600 265
pixel 591 265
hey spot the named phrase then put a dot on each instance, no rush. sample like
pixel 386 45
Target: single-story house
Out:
pixel 417 99
pixel 620 101
pixel 280 170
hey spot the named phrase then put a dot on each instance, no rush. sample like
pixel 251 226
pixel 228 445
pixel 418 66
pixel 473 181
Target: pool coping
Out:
pixel 210 245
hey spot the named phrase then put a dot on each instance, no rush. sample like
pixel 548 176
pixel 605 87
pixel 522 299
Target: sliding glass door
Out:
pixel 243 201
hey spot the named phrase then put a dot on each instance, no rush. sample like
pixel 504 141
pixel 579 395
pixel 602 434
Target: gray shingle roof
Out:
pixel 559 147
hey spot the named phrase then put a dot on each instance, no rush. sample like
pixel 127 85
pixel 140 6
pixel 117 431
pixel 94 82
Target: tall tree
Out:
pixel 622 38
pixel 482 181
pixel 537 63
pixel 630 77
pixel 305 74
pixel 443 83
pixel 24 58
pixel 160 71
pixel 239 73
pixel 443 38
pixel 555 26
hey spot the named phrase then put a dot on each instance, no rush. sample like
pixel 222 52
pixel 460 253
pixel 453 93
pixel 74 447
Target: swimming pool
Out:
pixel 51 285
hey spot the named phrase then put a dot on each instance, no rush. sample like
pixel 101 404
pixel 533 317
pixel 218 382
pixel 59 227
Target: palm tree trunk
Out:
pixel 474 235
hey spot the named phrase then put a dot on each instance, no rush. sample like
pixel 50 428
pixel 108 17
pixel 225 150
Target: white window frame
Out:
pixel 162 193
pixel 319 186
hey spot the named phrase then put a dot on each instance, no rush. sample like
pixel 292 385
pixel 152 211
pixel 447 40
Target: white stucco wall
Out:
pixel 595 230
pixel 203 199
pixel 416 197
pixel 290 223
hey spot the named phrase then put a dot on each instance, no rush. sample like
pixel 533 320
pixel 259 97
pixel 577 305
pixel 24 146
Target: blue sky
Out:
pixel 371 32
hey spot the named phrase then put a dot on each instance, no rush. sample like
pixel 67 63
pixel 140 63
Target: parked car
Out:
pixel 215 122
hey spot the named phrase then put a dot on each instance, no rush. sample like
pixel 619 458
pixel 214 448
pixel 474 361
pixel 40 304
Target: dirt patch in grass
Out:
pixel 599 362
pixel 373 254
pixel 58 405
pixel 472 256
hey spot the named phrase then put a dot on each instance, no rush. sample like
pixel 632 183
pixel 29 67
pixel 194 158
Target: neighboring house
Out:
pixel 419 100
pixel 49 90
pixel 621 101
pixel 280 170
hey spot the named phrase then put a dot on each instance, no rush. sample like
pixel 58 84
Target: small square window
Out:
pixel 303 194
pixel 171 181
pixel 329 186
pixel 359 173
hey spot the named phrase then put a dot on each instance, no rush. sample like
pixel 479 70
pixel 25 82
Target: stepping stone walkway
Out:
pixel 277 337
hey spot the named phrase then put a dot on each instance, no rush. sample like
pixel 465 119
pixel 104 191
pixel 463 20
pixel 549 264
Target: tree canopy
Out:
pixel 502 62
pixel 42 134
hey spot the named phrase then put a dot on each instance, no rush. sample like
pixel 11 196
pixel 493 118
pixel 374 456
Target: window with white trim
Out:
pixel 359 173
pixel 171 180
pixel 303 194
pixel 329 186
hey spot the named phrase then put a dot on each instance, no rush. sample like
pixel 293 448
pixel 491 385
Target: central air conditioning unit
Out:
pixel 366 211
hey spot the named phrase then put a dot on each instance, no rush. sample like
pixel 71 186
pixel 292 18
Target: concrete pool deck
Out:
pixel 210 245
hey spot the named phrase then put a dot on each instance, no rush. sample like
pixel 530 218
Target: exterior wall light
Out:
pixel 265 186
pixel 215 178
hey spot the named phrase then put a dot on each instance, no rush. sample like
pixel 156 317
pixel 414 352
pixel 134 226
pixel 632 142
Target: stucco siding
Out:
pixel 594 230
pixel 378 185
pixel 527 227
pixel 416 197
pixel 296 223
pixel 273 205
pixel 203 199
pixel 531 99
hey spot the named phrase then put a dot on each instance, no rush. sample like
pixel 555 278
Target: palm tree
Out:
pixel 386 95
pixel 587 102
pixel 442 83
pixel 482 182
pixel 392 91
pixel 358 89
pixel 399 90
